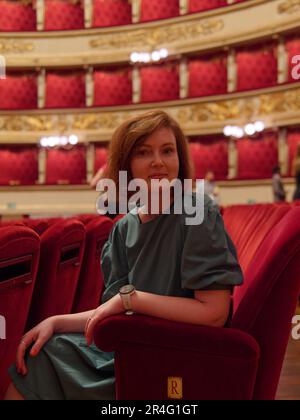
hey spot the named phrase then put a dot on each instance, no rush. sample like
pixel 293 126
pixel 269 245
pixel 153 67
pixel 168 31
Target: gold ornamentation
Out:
pixel 156 37
pixel 7 47
pixel 188 115
pixel 289 6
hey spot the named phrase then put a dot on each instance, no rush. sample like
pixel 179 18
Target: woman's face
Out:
pixel 156 158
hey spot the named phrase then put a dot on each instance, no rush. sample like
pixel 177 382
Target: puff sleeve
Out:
pixel 209 259
pixel 114 264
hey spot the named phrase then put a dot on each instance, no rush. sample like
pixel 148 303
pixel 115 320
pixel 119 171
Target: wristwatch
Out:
pixel 126 292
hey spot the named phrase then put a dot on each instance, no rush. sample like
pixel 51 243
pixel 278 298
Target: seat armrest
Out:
pixel 212 362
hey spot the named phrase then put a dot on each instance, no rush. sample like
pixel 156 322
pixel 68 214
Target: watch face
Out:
pixel 127 289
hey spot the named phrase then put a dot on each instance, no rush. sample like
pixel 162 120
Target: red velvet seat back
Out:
pixel 210 153
pixel 16 16
pixel 62 247
pixel 90 285
pixel 19 165
pixel 111 12
pixel 158 9
pixel 202 5
pixel 19 257
pixel 249 225
pixel 256 66
pixel 207 75
pixel 265 304
pixel 39 226
pixel 159 82
pixel 257 156
pixel 113 86
pixel 63 15
pixel 66 166
pixel 65 89
pixel 19 91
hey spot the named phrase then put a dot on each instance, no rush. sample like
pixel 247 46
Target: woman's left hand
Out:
pixel 113 306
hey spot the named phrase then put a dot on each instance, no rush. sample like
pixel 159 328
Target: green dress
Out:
pixel 164 256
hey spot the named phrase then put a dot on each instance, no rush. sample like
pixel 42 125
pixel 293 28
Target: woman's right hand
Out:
pixel 39 335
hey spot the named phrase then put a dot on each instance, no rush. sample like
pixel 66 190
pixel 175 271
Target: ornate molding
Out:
pixel 289 6
pixel 277 106
pixel 159 36
pixel 216 29
pixel 11 47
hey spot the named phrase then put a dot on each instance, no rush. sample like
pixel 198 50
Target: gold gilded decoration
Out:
pixel 187 114
pixel 289 6
pixel 7 47
pixel 156 37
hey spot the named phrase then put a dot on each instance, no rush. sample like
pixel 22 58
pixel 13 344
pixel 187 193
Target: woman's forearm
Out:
pixel 180 309
pixel 73 323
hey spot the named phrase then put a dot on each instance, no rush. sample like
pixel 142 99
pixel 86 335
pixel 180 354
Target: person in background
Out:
pixel 277 184
pixel 210 187
pixel 296 173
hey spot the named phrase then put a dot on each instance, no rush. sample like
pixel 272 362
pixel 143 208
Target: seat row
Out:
pixel 47 267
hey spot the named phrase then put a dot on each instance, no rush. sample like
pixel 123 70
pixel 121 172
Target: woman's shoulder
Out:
pixel 198 207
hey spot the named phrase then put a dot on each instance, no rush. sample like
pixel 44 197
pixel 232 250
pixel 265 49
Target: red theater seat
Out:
pixel 19 91
pixel 90 284
pixel 202 5
pixel 39 226
pixel 113 86
pixel 66 166
pixel 19 257
pixel 62 247
pixel 249 225
pixel 65 89
pixel 63 15
pixel 16 16
pixel 158 9
pixel 19 165
pixel 111 12
pixel 256 67
pixel 242 362
pixel 159 82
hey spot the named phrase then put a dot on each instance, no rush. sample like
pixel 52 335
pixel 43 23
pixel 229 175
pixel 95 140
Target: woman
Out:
pixel 180 272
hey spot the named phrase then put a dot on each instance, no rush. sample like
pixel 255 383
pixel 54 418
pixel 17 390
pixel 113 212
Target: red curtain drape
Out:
pixel 19 165
pixel 15 16
pixel 257 156
pixel 101 153
pixel 207 75
pixel 293 139
pixel 159 82
pixel 201 5
pixel 65 90
pixel 111 13
pixel 210 153
pixel 113 86
pixel 256 67
pixel 63 15
pixel 19 91
pixel 159 9
pixel 293 49
pixel 66 166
